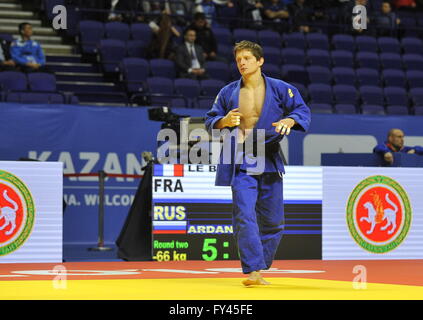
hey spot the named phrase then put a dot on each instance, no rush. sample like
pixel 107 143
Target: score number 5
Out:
pixel 208 245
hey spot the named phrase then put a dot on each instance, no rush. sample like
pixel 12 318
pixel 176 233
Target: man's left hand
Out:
pixel 284 126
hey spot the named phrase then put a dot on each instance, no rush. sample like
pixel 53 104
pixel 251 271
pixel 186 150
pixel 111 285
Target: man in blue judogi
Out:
pixel 27 53
pixel 251 106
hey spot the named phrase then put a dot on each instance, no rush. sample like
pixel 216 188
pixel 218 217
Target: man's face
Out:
pixel 247 63
pixel 386 8
pixel 361 2
pixel 396 138
pixel 27 30
pixel 190 36
pixel 200 23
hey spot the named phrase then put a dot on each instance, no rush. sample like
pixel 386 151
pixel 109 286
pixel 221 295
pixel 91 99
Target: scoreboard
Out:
pixel 192 218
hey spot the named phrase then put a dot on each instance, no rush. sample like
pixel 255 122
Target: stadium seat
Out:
pixel 372 95
pixel 223 35
pixel 136 48
pixel 272 55
pixel 411 45
pixel 342 58
pixel 319 74
pixel 135 72
pixel 345 94
pixel 35 97
pixel 42 81
pixel 415 78
pixel 117 30
pixel 211 87
pixel 90 33
pixel 269 38
pixel 295 73
pixel 294 40
pixel 409 25
pixel 418 110
pixel 366 44
pixel 367 77
pixel 111 52
pixel 160 85
pixel 204 103
pixel 372 109
pixel 320 93
pixel 302 89
pixel 318 57
pixel 218 70
pixel 162 68
pixel 233 69
pixel 188 88
pixel 161 90
pixel 293 56
pixel 396 96
pixel 397 110
pixel 416 95
pixel 413 61
pixel 225 51
pixel 271 70
pixel 343 42
pixel 240 34
pixel 367 60
pixel 345 109
pixel 6 37
pixel 392 77
pixel 141 31
pixel 317 40
pixel 390 61
pixel 389 45
pixel 13 80
pixel 343 75
pixel 321 108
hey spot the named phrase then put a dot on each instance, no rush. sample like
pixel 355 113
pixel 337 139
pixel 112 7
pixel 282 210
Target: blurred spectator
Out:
pixel 386 20
pixel 208 8
pixel 164 33
pixel 404 4
pixel 204 36
pixel 190 58
pixel 276 10
pixel 27 53
pixel 301 16
pixel 395 143
pixel 116 8
pixel 6 63
pixel 252 10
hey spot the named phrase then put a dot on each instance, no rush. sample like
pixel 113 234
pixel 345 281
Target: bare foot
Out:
pixel 254 279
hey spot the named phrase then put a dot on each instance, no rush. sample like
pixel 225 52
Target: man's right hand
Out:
pixel 389 157
pixel 232 119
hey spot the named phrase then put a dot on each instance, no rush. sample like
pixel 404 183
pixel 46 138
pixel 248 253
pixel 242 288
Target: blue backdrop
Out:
pixel 88 139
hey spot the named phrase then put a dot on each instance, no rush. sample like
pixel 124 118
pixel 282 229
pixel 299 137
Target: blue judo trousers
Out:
pixel 258 198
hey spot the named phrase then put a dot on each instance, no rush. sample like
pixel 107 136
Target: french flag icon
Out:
pixel 169 170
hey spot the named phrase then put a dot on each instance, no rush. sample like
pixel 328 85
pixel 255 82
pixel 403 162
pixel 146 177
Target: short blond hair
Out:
pixel 253 47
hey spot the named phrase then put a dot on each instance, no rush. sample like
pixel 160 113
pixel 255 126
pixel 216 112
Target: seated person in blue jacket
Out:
pixel 27 53
pixel 395 143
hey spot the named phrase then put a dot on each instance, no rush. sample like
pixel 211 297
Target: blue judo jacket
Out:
pixel 282 100
pixel 23 52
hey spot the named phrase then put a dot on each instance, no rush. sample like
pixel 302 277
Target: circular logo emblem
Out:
pixel 378 214
pixel 16 213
